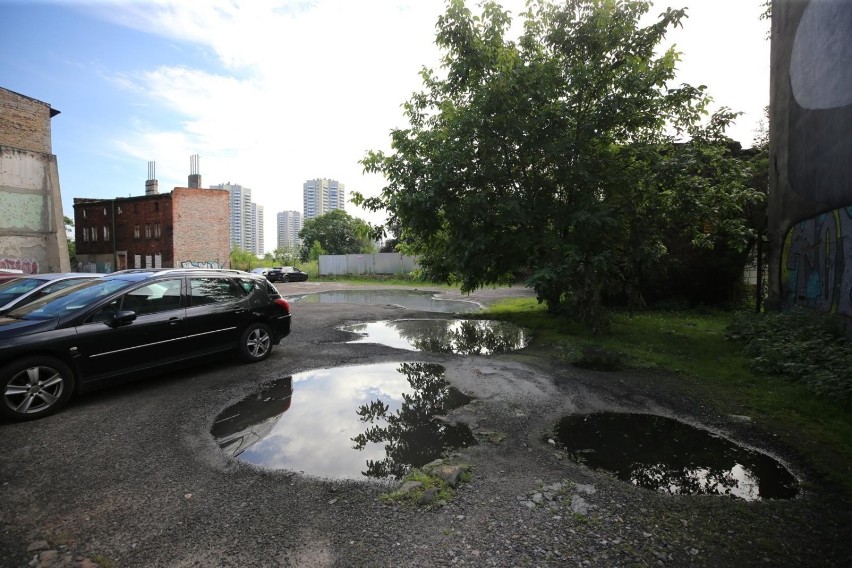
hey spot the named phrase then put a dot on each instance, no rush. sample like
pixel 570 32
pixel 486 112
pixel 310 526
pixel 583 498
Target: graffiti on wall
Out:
pixel 817 263
pixel 201 264
pixel 26 265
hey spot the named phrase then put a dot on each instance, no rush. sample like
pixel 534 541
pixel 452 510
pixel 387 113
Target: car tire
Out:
pixel 35 387
pixel 285 278
pixel 255 343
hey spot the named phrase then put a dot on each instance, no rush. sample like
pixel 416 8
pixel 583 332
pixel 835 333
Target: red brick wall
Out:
pixel 202 225
pixel 26 122
pixel 143 211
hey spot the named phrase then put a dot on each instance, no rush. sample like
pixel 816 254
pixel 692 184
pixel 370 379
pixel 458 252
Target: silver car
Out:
pixel 28 288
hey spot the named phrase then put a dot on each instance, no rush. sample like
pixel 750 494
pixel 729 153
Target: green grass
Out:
pixel 707 365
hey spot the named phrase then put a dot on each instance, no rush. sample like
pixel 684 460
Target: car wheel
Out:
pixel 255 343
pixel 285 278
pixel 35 387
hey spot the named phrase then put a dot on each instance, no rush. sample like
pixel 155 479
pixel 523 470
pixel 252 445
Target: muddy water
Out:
pixel 370 421
pixel 465 337
pixel 411 299
pixel 669 456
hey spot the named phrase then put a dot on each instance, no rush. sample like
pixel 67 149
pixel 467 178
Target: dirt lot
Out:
pixel 130 476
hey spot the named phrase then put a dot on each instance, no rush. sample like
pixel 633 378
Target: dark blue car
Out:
pixel 132 323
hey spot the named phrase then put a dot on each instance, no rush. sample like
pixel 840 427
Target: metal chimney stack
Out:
pixel 194 172
pixel 152 187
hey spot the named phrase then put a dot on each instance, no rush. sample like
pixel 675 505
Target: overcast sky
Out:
pixel 270 93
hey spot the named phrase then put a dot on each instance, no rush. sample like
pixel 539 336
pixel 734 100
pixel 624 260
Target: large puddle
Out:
pixel 466 337
pixel 672 457
pixel 375 421
pixel 411 299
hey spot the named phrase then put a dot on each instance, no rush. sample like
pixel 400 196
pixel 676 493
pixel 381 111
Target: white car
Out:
pixel 27 288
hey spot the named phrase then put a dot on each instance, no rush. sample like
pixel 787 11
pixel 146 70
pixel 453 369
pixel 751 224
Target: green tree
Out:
pixel 337 232
pixel 69 237
pixel 286 255
pixel 242 259
pixel 541 156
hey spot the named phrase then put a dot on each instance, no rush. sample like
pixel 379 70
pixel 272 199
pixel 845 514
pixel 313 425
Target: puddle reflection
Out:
pixel 465 337
pixel 346 422
pixel 672 457
pixel 411 299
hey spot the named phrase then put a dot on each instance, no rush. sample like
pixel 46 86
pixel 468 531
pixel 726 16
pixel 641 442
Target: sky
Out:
pixel 271 93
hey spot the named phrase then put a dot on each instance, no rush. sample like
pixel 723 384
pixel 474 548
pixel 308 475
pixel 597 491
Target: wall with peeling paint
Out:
pixel 32 229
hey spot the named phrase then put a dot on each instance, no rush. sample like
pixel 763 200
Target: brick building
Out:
pixel 32 228
pixel 188 226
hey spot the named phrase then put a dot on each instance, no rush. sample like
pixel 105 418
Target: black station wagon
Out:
pixel 132 323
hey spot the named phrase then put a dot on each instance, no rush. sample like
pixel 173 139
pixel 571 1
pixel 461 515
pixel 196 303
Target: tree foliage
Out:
pixel 547 156
pixel 337 232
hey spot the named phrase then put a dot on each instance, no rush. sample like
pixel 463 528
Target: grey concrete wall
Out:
pixel 811 154
pixel 379 263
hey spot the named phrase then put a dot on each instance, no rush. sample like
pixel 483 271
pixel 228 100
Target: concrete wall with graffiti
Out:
pixel 811 155
pixel 817 263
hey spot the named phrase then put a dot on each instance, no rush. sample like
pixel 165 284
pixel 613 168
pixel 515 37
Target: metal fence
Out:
pixel 379 263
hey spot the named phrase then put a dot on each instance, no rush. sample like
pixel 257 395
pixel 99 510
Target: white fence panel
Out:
pixel 380 263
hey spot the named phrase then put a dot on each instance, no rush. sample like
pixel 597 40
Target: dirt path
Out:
pixel 130 476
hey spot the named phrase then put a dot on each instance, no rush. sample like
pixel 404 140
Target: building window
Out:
pixel 85 235
pixel 147 231
pixel 119 210
pixel 84 213
pixel 94 232
pixel 106 233
pixel 105 212
pixel 136 232
pixel 157 230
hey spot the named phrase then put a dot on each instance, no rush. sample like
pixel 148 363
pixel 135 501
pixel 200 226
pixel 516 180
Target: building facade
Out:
pixel 187 227
pixel 289 223
pixel 32 227
pixel 322 195
pixel 240 214
pixel 257 229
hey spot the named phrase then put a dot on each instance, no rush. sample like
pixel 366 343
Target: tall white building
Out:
pixel 257 229
pixel 242 230
pixel 289 225
pixel 322 195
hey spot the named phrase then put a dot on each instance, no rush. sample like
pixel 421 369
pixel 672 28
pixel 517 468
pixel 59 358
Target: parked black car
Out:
pixel 286 274
pixel 132 323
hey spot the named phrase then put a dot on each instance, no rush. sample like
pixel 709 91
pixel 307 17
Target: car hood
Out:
pixel 10 327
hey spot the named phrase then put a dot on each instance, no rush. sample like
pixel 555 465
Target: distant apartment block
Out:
pixel 289 225
pixel 322 195
pixel 257 229
pixel 242 227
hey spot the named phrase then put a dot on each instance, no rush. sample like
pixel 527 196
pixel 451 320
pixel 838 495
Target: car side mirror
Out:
pixel 123 318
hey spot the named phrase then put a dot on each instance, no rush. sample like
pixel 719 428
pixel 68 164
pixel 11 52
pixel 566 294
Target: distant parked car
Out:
pixel 129 324
pixel 261 270
pixel 27 288
pixel 286 274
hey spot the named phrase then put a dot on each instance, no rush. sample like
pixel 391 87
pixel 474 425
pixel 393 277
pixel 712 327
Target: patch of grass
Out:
pixel 444 491
pixel 714 368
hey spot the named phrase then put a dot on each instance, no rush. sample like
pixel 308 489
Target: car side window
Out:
pixel 213 291
pixel 159 296
pixel 247 284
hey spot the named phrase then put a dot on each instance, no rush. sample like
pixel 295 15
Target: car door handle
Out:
pixel 174 321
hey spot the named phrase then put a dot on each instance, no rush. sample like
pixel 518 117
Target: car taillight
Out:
pixel 284 304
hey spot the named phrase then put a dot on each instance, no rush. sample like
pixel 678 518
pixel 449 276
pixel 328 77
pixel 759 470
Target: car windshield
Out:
pixel 16 288
pixel 69 300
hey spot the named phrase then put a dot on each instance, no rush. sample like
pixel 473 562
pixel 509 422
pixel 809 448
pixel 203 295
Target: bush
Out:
pixel 808 347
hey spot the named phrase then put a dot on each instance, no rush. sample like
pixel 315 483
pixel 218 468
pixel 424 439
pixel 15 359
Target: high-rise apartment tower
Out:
pixel 322 195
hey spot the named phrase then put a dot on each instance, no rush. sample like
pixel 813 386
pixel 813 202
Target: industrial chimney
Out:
pixel 194 172
pixel 151 186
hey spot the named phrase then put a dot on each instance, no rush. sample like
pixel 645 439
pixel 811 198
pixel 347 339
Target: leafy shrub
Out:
pixel 808 347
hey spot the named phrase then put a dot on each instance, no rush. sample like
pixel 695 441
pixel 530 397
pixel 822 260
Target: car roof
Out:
pixel 61 275
pixel 139 274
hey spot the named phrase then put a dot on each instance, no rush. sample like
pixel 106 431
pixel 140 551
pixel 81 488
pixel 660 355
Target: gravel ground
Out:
pixel 130 476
